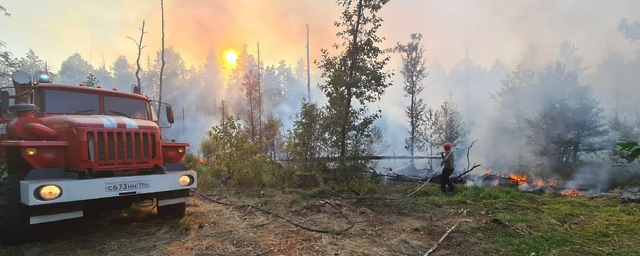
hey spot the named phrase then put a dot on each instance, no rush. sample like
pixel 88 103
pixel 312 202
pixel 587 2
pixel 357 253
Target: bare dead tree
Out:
pixel 162 56
pixel 469 167
pixel 140 47
pixel 260 100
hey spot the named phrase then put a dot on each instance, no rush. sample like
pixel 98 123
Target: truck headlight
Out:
pixel 185 180
pixel 31 151
pixel 48 192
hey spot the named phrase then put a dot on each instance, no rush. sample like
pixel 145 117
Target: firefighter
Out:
pixel 447 164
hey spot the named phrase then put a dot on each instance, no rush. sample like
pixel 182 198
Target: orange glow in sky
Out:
pixel 193 27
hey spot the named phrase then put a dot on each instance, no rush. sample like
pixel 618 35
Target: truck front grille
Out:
pixel 121 148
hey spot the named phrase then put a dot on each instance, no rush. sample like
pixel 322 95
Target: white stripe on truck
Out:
pixel 130 123
pixel 109 122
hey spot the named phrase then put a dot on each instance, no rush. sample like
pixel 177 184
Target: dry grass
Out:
pixel 382 228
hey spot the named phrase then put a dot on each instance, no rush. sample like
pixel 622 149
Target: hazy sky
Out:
pixel 491 28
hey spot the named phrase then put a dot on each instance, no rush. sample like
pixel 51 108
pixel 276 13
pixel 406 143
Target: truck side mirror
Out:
pixel 169 114
pixel 4 101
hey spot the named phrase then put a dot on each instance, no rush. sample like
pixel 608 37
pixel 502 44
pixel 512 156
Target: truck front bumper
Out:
pixel 73 190
pixel 166 188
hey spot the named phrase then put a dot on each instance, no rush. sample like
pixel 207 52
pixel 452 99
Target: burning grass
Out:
pixel 494 221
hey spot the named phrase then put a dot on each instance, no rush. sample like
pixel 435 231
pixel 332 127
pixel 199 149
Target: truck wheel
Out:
pixel 14 215
pixel 172 211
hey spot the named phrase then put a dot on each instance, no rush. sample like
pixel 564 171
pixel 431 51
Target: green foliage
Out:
pixel 569 121
pixel 355 73
pixel 190 160
pixel 623 129
pixel 230 157
pixel 123 73
pixel 413 70
pixel 365 185
pixel 521 223
pixel 631 148
pixel 31 63
pixel 272 139
pixel 74 69
pixel 449 126
pixel 443 125
pixel 91 81
pixel 305 139
pixel 228 147
pixel 8 64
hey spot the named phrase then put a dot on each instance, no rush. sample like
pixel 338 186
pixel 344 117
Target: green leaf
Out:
pixel 628 145
pixel 634 155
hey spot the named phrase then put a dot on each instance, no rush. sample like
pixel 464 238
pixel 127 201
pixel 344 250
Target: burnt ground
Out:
pixel 380 228
pixel 493 221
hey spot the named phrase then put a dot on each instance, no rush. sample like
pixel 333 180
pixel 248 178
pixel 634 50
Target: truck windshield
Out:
pixel 70 102
pixel 127 107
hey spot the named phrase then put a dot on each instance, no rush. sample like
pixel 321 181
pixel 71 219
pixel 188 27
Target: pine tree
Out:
pixel 450 128
pixel 431 119
pixel 74 69
pixel 91 81
pixel 413 70
pixel 569 122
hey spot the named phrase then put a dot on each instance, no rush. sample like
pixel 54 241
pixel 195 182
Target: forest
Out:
pixel 252 124
pixel 293 157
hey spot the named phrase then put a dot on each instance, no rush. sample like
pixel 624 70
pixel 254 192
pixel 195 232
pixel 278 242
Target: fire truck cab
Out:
pixel 68 150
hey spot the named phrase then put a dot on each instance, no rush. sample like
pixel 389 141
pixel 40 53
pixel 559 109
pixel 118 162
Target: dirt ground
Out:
pixel 380 228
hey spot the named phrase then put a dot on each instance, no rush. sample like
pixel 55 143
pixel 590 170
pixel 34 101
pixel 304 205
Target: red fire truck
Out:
pixel 68 150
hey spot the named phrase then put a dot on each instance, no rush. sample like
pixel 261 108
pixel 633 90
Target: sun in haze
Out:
pixel 231 57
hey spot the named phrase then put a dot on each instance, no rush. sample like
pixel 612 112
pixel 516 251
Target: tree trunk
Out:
pixel 347 109
pixel 163 63
pixel 140 47
pixel 259 103
pixel 413 124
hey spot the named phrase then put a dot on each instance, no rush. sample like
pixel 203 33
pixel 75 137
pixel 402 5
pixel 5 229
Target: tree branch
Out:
pixel 468 150
pixel 134 41
pixel 435 246
pixel 469 162
pixel 2 9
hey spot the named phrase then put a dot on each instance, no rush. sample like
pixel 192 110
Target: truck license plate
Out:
pixel 127 186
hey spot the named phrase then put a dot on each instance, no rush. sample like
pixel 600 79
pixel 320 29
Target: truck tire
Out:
pixel 172 211
pixel 14 215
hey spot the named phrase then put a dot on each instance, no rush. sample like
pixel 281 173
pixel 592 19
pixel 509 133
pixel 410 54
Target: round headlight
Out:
pixel 31 151
pixel 48 192
pixel 185 180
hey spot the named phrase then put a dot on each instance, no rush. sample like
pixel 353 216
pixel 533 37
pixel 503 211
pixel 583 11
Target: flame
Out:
pixel 540 183
pixel 552 183
pixel 520 179
pixel 570 192
pixel 488 173
pixel 200 160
